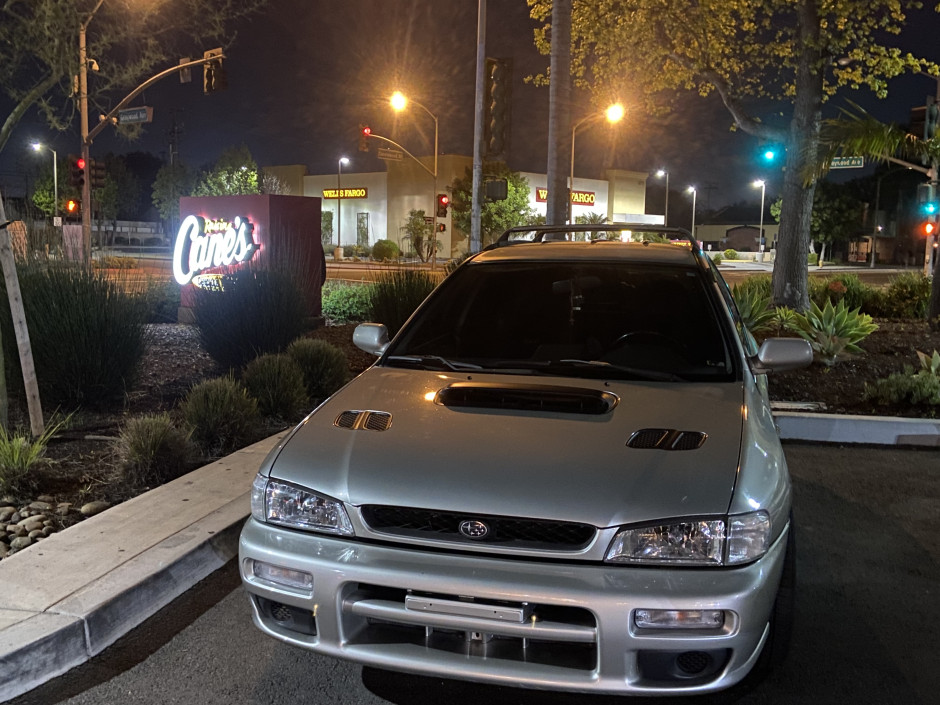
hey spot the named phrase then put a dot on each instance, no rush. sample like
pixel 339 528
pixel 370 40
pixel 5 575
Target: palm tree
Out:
pixel 857 133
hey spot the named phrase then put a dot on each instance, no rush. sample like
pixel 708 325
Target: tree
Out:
pixel 44 193
pixel 495 216
pixel 171 182
pixel 234 174
pixel 836 215
pixel 746 51
pixel 419 234
pixel 130 41
pixel 858 133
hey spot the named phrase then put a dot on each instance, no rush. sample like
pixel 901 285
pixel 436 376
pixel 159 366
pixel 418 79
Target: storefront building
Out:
pixel 375 206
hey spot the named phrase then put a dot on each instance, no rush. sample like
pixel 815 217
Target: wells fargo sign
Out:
pixel 203 243
pixel 578 198
pixel 361 192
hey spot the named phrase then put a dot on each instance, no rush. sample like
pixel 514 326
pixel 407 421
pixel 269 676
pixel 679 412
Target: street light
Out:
pixel 614 114
pixel 339 197
pixel 760 183
pixel 692 190
pixel 37 147
pixel 399 102
pixel 661 173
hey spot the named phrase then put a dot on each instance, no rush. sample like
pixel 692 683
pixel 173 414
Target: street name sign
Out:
pixel 129 116
pixel 391 155
pixel 847 162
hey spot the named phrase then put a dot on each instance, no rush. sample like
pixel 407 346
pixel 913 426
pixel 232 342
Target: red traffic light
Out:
pixel 367 131
pixel 443 199
pixel 928 229
pixel 80 163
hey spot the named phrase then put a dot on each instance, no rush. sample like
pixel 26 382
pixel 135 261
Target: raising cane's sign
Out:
pixel 202 244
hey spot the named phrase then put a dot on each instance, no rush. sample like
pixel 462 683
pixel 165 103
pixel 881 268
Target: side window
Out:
pixel 748 342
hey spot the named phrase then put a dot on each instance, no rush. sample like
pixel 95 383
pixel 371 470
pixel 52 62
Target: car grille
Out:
pixel 563 637
pixel 667 439
pixel 508 532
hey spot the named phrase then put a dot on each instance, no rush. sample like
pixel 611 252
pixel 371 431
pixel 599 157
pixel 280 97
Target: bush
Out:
pixel 277 383
pixel 323 365
pixel 87 335
pixel 752 297
pixel 396 294
pixel 151 450
pixel 358 251
pixel 921 387
pixel 344 302
pixel 162 300
pixel 221 415
pixel 717 258
pixel 730 254
pixel 845 287
pixel 253 312
pixel 833 329
pixel 907 296
pixel 19 454
pixel 385 250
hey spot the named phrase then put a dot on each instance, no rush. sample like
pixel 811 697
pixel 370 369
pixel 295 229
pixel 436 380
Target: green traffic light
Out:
pixel 770 155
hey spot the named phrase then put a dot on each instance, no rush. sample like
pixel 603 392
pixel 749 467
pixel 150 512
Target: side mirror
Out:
pixel 371 337
pixel 779 354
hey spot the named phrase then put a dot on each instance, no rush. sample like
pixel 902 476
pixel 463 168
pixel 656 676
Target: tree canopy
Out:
pixel 129 41
pixel 748 52
pixel 495 216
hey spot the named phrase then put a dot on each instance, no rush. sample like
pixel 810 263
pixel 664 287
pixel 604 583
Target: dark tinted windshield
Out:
pixel 553 317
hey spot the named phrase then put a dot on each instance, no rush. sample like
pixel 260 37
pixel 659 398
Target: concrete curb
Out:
pixel 62 605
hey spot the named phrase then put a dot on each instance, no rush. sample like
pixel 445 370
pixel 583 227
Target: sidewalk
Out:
pixel 77 592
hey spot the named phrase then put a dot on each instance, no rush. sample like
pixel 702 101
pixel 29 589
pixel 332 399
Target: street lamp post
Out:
pixel 763 189
pixel 661 173
pixel 614 114
pixel 55 176
pixel 339 198
pixel 694 193
pixel 399 102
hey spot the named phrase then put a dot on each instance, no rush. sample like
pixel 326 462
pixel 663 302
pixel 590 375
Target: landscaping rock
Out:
pixel 21 542
pixel 92 508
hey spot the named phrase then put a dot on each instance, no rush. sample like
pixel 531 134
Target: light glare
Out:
pixel 398 101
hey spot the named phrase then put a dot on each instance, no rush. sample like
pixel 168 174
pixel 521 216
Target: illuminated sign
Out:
pixel 578 198
pixel 202 244
pixel 360 192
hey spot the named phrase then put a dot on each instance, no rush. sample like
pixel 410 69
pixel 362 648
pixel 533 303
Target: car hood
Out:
pixel 494 460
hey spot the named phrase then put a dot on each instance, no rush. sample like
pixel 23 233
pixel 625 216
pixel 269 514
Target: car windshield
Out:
pixel 575 319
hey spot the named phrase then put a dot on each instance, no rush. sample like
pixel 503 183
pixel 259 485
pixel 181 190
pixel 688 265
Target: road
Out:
pixel 867 610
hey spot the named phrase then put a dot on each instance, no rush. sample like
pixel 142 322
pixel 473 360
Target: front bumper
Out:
pixel 577 633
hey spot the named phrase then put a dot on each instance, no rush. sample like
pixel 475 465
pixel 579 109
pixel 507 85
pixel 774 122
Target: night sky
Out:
pixel 304 74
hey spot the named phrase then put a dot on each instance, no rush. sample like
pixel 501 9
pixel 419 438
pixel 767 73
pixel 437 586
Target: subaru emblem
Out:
pixel 473 529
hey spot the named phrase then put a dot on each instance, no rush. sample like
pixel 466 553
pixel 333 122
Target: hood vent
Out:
pixel 364 420
pixel 667 439
pixel 527 397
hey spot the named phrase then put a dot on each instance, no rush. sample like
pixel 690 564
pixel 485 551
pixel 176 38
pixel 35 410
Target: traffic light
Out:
pixel 442 202
pixel 73 208
pixel 364 132
pixel 76 171
pixel 441 227
pixel 97 174
pixel 214 77
pixel 496 102
pixel 928 228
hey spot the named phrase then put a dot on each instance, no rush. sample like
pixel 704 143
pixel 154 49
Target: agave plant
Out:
pixel 929 363
pixel 833 330
pixel 753 304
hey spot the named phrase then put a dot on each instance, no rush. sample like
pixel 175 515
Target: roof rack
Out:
pixel 561 233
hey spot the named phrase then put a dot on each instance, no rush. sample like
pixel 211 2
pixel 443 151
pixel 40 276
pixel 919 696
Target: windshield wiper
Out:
pixel 425 360
pixel 553 366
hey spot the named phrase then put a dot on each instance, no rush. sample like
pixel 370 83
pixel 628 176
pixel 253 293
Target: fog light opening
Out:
pixel 284 577
pixel 678 619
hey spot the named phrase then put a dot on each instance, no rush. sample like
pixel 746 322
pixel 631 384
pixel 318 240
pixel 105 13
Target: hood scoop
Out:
pixel 667 439
pixel 527 397
pixel 364 420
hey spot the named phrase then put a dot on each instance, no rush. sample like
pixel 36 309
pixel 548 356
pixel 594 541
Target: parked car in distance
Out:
pixel 562 473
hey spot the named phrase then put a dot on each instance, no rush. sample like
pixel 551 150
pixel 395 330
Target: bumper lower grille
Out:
pixel 509 532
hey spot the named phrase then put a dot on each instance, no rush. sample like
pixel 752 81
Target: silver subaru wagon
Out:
pixel 562 473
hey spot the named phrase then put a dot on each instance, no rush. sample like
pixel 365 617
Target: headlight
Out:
pixel 727 541
pixel 288 505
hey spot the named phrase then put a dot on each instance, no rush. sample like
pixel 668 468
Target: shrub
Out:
pixel 385 250
pixel 88 336
pixel 833 329
pixel 921 387
pixel 19 453
pixel 251 313
pixel 221 415
pixel 849 288
pixel 907 296
pixel 151 450
pixel 323 365
pixel 717 258
pixel 162 300
pixel 752 298
pixel 784 318
pixel 396 294
pixel 359 251
pixel 730 254
pixel 277 383
pixel 344 302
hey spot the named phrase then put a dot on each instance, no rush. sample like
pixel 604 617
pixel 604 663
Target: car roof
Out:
pixel 598 250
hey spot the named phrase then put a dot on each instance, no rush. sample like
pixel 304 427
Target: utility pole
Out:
pixel 476 206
